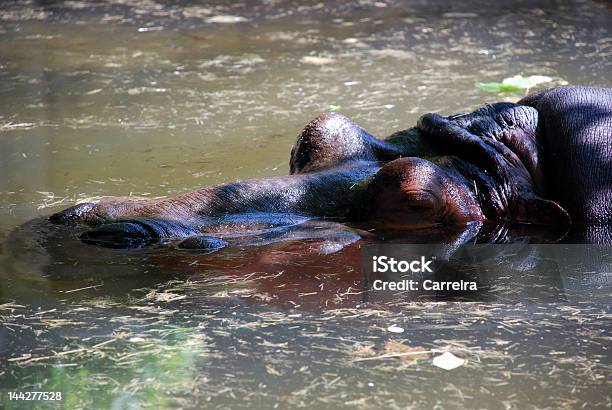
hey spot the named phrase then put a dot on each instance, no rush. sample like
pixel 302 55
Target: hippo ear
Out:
pixel 540 211
pixel 456 140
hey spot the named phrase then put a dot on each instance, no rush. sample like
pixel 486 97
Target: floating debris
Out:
pixel 405 352
pixel 363 351
pixel 515 83
pixel 316 60
pixel 395 329
pixel 448 361
pixel 146 29
pixel 225 19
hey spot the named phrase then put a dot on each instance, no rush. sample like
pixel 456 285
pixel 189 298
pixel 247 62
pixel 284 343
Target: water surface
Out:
pixel 144 98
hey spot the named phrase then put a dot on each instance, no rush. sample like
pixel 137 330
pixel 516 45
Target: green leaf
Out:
pixel 498 87
pixel 516 83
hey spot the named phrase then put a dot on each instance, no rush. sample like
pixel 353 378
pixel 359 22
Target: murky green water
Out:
pixel 144 98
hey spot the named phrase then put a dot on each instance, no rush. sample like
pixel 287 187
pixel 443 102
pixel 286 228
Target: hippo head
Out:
pixel 447 190
pixel 445 171
pixel 414 191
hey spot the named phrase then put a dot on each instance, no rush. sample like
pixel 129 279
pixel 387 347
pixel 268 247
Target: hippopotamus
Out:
pixel 544 160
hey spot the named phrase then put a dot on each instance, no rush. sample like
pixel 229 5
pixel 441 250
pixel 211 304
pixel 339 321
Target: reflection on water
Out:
pixel 151 99
pixel 280 324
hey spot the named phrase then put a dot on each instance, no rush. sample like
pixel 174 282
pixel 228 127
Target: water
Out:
pixel 136 97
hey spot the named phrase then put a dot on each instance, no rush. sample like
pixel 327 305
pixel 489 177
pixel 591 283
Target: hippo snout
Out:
pixel 76 214
pixel 137 232
pixel 121 235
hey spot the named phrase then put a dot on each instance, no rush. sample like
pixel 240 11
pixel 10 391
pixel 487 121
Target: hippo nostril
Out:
pixel 72 215
pixel 203 243
pixel 120 235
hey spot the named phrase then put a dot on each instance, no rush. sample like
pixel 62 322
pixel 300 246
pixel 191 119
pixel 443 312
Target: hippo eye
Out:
pixel 418 208
pixel 418 204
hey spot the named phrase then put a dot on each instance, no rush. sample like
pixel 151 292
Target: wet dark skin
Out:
pixel 544 161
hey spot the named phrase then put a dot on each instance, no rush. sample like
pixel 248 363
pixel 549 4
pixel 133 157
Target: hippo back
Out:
pixel 575 138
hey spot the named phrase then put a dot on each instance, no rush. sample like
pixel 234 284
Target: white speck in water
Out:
pixel 395 329
pixel 315 60
pixel 448 361
pixel 145 29
pixel 225 19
